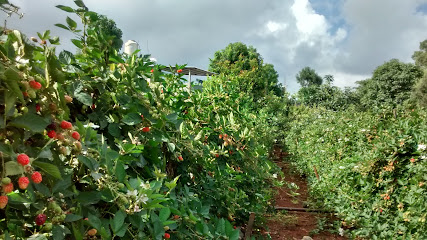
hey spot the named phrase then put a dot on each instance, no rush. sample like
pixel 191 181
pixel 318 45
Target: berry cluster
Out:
pixel 23 181
pixel 65 135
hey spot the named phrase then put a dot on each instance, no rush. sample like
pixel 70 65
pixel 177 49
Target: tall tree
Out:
pixel 391 84
pixel 420 90
pixel 308 77
pixel 247 65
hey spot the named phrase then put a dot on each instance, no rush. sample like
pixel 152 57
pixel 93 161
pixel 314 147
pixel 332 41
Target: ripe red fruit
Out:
pixel 167 236
pixel 180 158
pixel 152 70
pixel 23 182
pixel 66 125
pixel 146 129
pixel 217 155
pixel 8 188
pixel 25 94
pixel 93 106
pixel 37 107
pixel 3 201
pixel 142 116
pixel 51 134
pixel 36 177
pixel 40 219
pixel 179 71
pixel 75 135
pixel 23 159
pixel 220 136
pixel 35 85
pixel 412 160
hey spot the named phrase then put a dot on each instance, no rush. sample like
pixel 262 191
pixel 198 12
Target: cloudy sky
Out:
pixel 345 38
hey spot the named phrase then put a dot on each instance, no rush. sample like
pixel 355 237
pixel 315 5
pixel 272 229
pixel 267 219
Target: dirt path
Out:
pixel 287 225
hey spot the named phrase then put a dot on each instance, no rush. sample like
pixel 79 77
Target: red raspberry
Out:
pixel 23 159
pixel 146 129
pixel 37 108
pixel 180 158
pixel 142 116
pixel 35 85
pixel 23 182
pixel 75 135
pixel 66 125
pixel 51 134
pixel 40 219
pixel 167 236
pixel 152 70
pixel 217 155
pixel 3 201
pixel 179 71
pixel 36 177
pixel 8 188
pixel 25 94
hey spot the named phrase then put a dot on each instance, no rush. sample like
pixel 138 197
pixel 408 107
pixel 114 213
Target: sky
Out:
pixel 345 38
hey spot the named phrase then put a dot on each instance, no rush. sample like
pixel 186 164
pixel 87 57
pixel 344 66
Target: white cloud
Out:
pixel 291 34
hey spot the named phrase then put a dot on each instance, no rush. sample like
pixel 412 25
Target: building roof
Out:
pixel 194 71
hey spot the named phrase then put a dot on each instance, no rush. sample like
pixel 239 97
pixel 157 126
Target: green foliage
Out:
pixel 372 168
pixel 246 66
pixel 419 93
pixel 390 85
pixel 420 57
pixel 326 95
pixel 308 77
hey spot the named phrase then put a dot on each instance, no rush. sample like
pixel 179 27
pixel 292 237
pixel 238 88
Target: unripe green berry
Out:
pixel 6 181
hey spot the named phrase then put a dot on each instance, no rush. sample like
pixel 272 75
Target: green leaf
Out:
pixel 77 43
pixel 87 198
pixel 72 218
pixel 13 168
pixel 58 232
pixel 80 3
pixel 43 189
pixel 62 26
pixel 114 130
pixel 171 147
pixel 76 232
pixel 220 227
pixel 65 8
pixel 71 23
pixel 90 163
pixel 12 78
pixel 66 57
pixel 120 171
pixel 31 122
pixel 132 118
pixel 61 185
pixel 94 221
pixel 9 100
pixel 164 214
pixel 84 98
pixel 37 237
pixel 118 221
pixel 48 168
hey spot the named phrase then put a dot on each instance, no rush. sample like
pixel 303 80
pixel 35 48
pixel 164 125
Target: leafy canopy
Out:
pixel 308 77
pixel 244 62
pixel 391 84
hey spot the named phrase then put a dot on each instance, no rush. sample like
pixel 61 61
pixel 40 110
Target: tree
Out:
pixel 419 94
pixel 247 65
pixel 391 84
pixel 308 77
pixel 109 28
pixel 420 57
